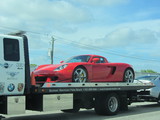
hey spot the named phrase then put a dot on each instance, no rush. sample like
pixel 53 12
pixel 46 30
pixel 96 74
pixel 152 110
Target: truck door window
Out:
pixel 11 49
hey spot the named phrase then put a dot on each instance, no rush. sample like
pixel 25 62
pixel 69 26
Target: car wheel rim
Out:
pixel 80 75
pixel 129 76
pixel 113 104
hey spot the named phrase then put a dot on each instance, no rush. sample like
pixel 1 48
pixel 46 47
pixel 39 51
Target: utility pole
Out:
pixel 52 49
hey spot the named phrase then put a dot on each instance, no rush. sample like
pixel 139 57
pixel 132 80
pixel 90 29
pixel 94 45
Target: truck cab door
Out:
pixel 12 65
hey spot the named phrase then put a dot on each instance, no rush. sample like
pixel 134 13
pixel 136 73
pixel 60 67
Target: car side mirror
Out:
pixel 62 62
pixel 95 60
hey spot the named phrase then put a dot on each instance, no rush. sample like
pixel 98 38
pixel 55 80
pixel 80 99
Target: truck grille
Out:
pixel 41 79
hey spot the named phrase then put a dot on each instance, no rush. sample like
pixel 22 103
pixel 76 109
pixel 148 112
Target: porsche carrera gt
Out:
pixel 83 68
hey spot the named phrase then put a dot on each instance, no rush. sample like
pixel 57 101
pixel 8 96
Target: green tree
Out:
pixel 148 71
pixel 33 65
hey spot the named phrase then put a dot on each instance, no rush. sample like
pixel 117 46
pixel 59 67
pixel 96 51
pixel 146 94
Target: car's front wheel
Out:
pixel 128 75
pixel 79 75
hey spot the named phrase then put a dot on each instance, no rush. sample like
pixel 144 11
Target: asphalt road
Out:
pixel 137 111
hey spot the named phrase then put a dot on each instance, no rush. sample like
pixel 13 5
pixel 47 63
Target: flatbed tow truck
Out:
pixel 18 93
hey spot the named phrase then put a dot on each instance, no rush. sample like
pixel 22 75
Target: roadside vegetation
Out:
pixel 33 65
pixel 148 71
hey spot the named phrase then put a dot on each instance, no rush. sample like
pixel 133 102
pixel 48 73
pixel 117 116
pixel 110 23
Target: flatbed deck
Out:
pixel 89 87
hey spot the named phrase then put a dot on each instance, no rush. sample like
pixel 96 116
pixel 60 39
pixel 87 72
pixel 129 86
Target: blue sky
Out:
pixel 121 30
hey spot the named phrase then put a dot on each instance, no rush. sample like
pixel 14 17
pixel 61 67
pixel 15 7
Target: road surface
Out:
pixel 137 111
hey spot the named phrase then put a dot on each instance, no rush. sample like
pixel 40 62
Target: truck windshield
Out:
pixel 84 58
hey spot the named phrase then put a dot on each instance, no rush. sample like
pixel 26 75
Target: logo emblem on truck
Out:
pixel 12 74
pixel 19 65
pixel 6 65
pixel 20 87
pixel 16 100
pixel 11 87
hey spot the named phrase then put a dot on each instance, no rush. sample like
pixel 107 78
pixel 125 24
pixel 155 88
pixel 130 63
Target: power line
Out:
pixel 90 47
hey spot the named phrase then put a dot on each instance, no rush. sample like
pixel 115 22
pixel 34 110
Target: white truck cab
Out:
pixel 12 65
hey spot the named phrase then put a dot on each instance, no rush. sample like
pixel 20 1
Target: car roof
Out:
pixel 90 55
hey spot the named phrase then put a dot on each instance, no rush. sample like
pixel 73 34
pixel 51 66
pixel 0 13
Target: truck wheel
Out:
pixel 128 75
pixel 79 75
pixel 107 104
pixel 158 100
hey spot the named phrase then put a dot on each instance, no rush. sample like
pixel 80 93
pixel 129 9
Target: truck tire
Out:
pixel 107 104
pixel 158 99
pixel 123 104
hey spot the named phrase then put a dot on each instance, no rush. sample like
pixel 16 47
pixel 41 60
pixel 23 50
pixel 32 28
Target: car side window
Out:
pixel 101 60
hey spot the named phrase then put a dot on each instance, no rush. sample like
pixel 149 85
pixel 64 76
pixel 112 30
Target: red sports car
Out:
pixel 83 68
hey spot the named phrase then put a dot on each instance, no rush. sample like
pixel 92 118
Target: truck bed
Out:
pixel 50 88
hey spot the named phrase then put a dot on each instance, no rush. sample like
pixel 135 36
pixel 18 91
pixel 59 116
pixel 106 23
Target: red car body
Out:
pixel 97 71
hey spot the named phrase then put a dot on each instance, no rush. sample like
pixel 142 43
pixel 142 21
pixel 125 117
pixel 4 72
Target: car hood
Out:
pixel 142 81
pixel 49 67
pixel 46 69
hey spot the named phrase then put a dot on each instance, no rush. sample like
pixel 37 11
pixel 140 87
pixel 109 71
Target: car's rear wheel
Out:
pixel 128 75
pixel 79 75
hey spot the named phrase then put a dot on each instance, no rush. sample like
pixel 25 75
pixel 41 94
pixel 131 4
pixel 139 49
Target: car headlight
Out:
pixel 61 67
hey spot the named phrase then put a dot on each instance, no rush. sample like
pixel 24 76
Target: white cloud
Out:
pixel 90 22
pixel 124 37
pixel 41 14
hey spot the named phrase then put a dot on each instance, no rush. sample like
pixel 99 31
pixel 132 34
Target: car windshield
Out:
pixel 146 78
pixel 83 58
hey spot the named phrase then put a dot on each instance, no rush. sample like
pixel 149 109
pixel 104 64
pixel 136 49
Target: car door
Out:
pixel 100 70
pixel 12 67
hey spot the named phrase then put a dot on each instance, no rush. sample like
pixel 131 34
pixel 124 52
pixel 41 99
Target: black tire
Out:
pixel 79 75
pixel 107 104
pixel 123 102
pixel 158 100
pixel 128 75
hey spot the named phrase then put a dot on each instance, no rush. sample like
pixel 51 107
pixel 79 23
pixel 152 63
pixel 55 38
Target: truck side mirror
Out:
pixel 95 60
